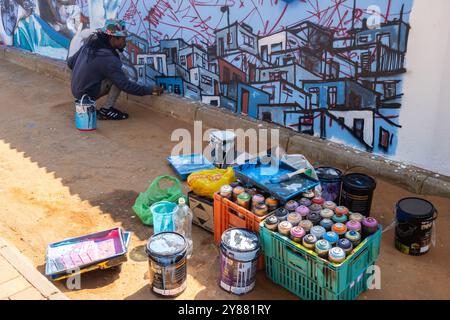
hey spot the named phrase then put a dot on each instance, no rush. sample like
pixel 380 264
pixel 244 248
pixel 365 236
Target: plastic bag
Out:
pixel 207 182
pixel 156 194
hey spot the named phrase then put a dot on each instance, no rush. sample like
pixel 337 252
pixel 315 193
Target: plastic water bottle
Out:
pixel 183 223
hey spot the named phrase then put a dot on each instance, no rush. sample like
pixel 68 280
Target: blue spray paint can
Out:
pixel 85 114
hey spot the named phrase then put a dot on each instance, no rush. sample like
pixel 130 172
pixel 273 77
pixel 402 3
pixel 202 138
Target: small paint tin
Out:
pixel 294 218
pixel 330 205
pixel 271 223
pixel 309 241
pixel 341 211
pixel 331 237
pixel 237 191
pixel 281 214
pixel 297 234
pixel 337 219
pixel 318 231
pixel 305 202
pixel 340 229
pixel 309 195
pixel 354 237
pixel 327 224
pixel 336 255
pixel 258 199
pixel 318 200
pixel 317 208
pixel 244 200
pixel 284 228
pixel 303 211
pixel 327 213
pixel 346 245
pixel 272 203
pixel 260 210
pixel 357 217
pixel 354 225
pixel 322 247
pixel 369 226
pixel 291 205
pixel 226 191
pixel 306 224
pixel 314 217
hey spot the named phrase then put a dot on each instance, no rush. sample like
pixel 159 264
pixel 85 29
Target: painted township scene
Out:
pixel 349 209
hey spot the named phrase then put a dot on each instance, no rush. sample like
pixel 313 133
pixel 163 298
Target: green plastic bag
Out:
pixel 155 194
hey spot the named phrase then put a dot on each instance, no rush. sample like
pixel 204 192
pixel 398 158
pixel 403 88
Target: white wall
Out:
pixel 424 139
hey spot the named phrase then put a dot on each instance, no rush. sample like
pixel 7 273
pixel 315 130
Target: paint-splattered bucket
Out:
pixel 414 227
pixel 357 192
pixel 330 179
pixel 239 253
pixel 85 114
pixel 163 213
pixel 167 263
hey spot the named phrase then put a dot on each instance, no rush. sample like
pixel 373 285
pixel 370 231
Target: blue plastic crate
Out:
pixel 310 277
pixel 188 164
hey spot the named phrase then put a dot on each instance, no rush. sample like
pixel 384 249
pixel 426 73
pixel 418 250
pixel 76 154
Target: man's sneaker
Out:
pixel 111 114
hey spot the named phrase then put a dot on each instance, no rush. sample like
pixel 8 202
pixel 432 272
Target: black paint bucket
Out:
pixel 414 228
pixel 357 192
pixel 167 263
pixel 330 179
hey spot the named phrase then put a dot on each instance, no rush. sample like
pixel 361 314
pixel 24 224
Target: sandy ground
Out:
pixel 57 183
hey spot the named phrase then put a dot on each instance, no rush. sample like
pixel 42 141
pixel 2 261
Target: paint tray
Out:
pixel 259 174
pixel 101 250
pixel 187 164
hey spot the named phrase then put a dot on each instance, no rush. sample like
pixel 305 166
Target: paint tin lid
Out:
pixel 241 240
pixel 359 181
pixel 415 208
pixel 166 244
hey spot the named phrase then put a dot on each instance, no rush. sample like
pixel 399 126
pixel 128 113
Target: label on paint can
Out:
pixel 237 277
pixel 168 280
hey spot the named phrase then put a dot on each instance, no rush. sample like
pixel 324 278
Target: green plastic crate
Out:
pixel 310 277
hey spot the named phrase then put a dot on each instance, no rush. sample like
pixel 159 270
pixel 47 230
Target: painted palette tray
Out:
pixel 86 253
pixel 186 164
pixel 259 174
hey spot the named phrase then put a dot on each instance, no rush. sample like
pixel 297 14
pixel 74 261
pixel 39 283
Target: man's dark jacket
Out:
pixel 89 69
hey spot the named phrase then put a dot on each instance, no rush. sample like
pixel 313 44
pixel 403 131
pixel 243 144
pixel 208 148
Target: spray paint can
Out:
pixel 306 224
pixel 354 225
pixel 237 191
pixel 369 226
pixel 261 210
pixel 272 203
pixel 294 218
pixel 322 247
pixel 284 228
pixel 330 205
pixel 331 237
pixel 303 211
pixel 309 241
pixel 297 234
pixel 305 202
pixel 327 213
pixel 226 191
pixel 256 200
pixel 327 224
pixel 336 255
pixel 357 217
pixel 281 214
pixel 346 245
pixel 309 195
pixel 291 205
pixel 244 200
pixel 314 217
pixel 318 231
pixel 316 208
pixel 340 229
pixel 318 200
pixel 337 219
pixel 271 223
pixel 354 237
pixel 341 211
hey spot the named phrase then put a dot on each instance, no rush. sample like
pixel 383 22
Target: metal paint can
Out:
pixel 336 255
pixel 327 213
pixel 291 205
pixel 337 219
pixel 294 218
pixel 226 191
pixel 237 191
pixel 415 221
pixel 330 179
pixel 357 217
pixel 85 114
pixel 309 241
pixel 314 217
pixel 281 214
pixel 244 200
pixel 303 211
pixel 239 253
pixel 297 234
pixel 329 205
pixel 318 200
pixel 340 229
pixel 353 225
pixel 346 245
pixel 284 228
pixel 341 211
pixel 272 203
pixel 327 224
pixel 271 223
pixel 306 224
pixel 305 202
pixel 369 226
pixel 309 195
pixel 322 247
pixel 354 237
pixel 261 210
pixel 357 192
pixel 331 237
pixel 166 252
pixel 318 231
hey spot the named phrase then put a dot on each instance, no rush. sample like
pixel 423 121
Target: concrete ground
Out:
pixel 57 183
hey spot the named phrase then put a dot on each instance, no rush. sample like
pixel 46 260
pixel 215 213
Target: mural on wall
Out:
pixel 329 68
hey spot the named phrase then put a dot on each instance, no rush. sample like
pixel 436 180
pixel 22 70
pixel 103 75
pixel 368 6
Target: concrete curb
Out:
pixel 412 178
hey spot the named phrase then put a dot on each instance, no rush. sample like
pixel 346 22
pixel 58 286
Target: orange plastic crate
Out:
pixel 226 216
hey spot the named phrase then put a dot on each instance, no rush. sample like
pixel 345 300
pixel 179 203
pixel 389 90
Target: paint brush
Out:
pixel 286 177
